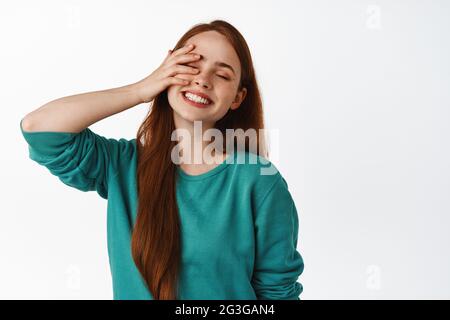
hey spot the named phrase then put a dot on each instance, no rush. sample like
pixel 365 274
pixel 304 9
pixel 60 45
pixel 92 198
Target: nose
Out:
pixel 200 81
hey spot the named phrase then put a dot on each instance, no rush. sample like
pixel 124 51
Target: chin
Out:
pixel 189 115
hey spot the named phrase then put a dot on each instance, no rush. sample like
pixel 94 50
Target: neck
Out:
pixel 192 140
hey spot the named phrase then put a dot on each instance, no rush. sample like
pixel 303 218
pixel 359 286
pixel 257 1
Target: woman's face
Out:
pixel 218 82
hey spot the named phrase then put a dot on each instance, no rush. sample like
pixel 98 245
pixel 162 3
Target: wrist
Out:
pixel 139 92
pixel 135 90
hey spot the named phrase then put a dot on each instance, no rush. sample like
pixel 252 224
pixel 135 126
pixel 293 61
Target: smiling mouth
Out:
pixel 195 103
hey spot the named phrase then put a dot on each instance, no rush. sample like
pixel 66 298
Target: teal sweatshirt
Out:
pixel 239 224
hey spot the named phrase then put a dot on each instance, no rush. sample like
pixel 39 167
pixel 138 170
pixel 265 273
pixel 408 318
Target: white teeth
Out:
pixel 196 98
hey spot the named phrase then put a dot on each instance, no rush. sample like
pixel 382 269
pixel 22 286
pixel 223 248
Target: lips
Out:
pixel 198 93
pixel 195 104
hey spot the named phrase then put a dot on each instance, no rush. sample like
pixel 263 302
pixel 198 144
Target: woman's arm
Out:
pixel 77 112
pixel 278 263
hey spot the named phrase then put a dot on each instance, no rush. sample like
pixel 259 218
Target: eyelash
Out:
pixel 225 78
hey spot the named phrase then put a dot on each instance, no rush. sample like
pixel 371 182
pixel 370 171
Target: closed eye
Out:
pixel 223 77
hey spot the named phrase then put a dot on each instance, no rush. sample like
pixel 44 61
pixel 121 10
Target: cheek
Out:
pixel 228 97
pixel 174 91
pixel 172 95
pixel 170 91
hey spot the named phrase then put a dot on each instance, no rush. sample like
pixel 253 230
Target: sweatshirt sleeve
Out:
pixel 278 264
pixel 79 160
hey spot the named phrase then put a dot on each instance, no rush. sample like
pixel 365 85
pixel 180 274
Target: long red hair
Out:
pixel 155 243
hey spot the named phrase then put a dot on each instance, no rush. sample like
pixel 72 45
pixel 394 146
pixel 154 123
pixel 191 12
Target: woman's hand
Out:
pixel 166 74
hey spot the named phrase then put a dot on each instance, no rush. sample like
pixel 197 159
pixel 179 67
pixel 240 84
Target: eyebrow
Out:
pixel 219 63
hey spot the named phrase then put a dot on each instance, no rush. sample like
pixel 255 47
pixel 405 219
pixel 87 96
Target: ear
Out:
pixel 239 98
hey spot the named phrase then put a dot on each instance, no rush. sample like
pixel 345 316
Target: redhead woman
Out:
pixel 216 228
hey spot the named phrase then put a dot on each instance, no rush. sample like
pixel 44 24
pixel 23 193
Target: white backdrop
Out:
pixel 359 91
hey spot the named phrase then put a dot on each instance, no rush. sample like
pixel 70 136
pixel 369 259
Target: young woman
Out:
pixel 208 230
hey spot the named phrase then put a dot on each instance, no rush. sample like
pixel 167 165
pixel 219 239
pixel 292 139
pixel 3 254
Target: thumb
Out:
pixel 168 55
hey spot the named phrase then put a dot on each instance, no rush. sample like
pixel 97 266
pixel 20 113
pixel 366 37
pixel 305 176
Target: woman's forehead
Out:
pixel 218 52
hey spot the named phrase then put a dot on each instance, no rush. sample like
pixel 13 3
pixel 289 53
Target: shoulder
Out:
pixel 122 147
pixel 255 166
pixel 123 154
pixel 259 174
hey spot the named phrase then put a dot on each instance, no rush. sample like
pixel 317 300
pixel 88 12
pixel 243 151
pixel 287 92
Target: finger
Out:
pixel 169 53
pixel 177 81
pixel 176 69
pixel 183 50
pixel 185 58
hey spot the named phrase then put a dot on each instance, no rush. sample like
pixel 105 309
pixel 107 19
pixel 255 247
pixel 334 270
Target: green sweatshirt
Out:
pixel 239 224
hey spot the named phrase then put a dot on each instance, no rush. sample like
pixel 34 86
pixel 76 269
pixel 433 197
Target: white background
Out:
pixel 359 91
